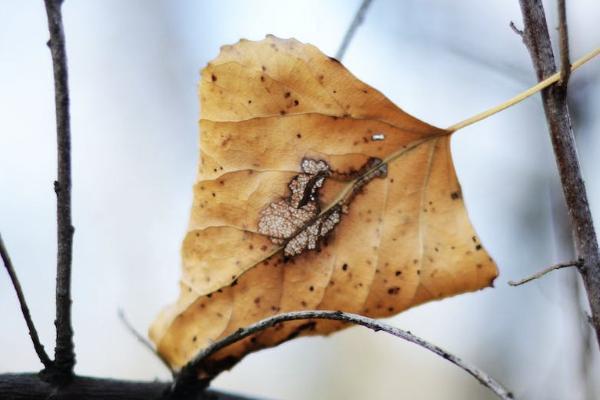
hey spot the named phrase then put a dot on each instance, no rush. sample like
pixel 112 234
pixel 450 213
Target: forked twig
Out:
pixel 358 19
pixel 537 40
pixel 37 345
pixel 189 373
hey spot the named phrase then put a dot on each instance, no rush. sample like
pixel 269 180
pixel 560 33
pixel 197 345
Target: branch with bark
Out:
pixel 537 40
pixel 188 376
pixel 64 353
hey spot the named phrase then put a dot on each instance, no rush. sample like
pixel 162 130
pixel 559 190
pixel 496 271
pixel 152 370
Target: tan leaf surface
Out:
pixel 401 235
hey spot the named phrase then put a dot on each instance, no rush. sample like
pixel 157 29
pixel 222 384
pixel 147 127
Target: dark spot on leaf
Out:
pixel 298 135
pixel 478 247
pixel 398 273
pixel 213 77
pixel 455 195
pixel 312 288
pixel 286 94
pixel 393 290
pixel 345 267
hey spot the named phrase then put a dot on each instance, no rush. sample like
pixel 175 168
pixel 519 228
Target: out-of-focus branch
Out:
pixel 64 354
pixel 188 376
pixel 537 41
pixel 356 21
pixel 543 272
pixel 37 345
pixel 144 342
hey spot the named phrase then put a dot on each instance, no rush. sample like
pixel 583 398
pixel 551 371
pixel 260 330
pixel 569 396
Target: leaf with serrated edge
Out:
pixel 405 237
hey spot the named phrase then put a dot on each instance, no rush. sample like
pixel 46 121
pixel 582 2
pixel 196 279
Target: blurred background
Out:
pixel 134 67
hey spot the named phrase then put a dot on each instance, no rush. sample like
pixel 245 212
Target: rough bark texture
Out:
pixel 537 40
pixel 31 387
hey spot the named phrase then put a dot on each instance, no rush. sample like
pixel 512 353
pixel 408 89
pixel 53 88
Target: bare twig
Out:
pixel 356 21
pixel 64 354
pixel 543 272
pixel 142 339
pixel 537 40
pixel 563 32
pixel 189 373
pixel 515 29
pixel 37 345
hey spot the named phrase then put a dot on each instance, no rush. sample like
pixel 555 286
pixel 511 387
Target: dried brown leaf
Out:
pixel 374 224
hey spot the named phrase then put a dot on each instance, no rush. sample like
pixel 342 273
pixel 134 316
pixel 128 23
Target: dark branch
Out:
pixel 563 32
pixel 543 272
pixel 356 21
pixel 554 98
pixel 188 375
pixel 64 354
pixel 37 345
pixel 30 387
pixel 140 338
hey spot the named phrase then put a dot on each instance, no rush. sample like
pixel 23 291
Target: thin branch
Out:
pixel 37 345
pixel 359 17
pixel 189 373
pixel 563 32
pixel 142 339
pixel 543 272
pixel 64 354
pixel 537 41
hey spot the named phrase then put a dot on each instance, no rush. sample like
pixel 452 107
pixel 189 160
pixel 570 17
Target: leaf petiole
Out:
pixel 522 96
